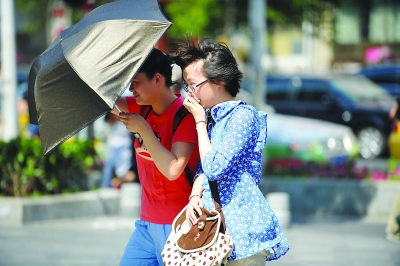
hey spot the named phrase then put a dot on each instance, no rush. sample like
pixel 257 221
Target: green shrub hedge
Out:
pixel 25 171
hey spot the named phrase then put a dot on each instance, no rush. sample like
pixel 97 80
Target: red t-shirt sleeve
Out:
pixel 186 131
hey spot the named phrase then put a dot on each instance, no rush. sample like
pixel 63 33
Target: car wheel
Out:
pixel 371 142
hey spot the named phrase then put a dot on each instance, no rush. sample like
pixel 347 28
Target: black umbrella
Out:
pixel 82 73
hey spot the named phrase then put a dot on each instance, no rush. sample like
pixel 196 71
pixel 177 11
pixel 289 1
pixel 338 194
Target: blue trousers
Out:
pixel 146 244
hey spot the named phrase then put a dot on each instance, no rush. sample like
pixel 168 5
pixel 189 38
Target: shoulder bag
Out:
pixel 205 243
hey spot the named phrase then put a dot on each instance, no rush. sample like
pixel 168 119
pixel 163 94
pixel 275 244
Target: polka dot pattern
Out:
pixel 211 256
pixel 238 134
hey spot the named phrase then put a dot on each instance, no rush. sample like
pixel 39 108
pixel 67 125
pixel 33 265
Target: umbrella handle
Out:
pixel 119 110
pixel 137 135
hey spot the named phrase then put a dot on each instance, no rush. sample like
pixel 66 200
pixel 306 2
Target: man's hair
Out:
pixel 158 62
pixel 220 66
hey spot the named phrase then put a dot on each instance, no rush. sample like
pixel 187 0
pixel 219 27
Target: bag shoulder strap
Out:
pixel 215 195
pixel 179 116
pixel 145 111
pixel 217 203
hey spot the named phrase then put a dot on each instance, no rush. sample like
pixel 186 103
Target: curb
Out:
pixel 19 211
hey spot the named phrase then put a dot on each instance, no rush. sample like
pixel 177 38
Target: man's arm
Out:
pixel 170 163
pixel 122 105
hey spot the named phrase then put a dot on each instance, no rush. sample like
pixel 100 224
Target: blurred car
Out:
pixel 305 139
pixel 385 75
pixel 349 100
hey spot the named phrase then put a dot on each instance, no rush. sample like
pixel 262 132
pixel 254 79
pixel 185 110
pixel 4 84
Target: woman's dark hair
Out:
pixel 220 65
pixel 158 62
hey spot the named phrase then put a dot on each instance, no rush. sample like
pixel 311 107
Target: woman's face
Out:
pixel 195 79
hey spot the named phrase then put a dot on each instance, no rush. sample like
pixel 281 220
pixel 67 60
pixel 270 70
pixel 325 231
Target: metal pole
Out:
pixel 257 21
pixel 9 71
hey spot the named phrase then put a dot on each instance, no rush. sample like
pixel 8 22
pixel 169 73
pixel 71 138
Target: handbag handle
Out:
pixel 217 203
pixel 215 195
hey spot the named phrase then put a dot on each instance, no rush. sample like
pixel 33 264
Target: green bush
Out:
pixel 25 171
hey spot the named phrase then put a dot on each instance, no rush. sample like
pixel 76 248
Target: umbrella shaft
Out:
pixel 119 110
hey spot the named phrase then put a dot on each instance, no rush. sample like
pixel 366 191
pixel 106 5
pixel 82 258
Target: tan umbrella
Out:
pixel 83 72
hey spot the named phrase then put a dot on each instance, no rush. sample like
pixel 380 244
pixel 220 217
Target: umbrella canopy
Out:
pixel 82 73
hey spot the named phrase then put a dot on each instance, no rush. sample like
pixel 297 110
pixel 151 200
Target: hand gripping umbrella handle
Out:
pixel 137 135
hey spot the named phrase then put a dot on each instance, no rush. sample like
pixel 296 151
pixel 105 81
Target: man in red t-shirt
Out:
pixel 161 157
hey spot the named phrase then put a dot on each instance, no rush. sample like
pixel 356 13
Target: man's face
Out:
pixel 142 88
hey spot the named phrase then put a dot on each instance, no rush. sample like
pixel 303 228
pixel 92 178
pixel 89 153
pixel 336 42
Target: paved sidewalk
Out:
pixel 334 243
pixel 101 240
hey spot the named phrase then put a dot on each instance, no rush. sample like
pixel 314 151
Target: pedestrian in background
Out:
pixel 118 152
pixel 393 223
pixel 231 143
pixel 161 157
pixel 395 110
pixel 132 175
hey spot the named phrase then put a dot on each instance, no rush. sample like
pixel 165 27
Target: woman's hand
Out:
pixel 193 210
pixel 195 108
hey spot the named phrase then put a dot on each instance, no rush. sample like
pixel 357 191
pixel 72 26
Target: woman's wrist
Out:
pixel 192 196
pixel 200 124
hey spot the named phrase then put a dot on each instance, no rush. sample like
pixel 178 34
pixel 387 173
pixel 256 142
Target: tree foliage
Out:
pixel 205 17
pixel 192 17
pixel 38 12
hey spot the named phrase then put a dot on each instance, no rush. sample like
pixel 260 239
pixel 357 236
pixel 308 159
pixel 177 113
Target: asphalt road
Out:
pixel 101 240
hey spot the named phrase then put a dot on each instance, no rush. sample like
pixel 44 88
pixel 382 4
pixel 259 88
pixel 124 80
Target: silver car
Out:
pixel 306 139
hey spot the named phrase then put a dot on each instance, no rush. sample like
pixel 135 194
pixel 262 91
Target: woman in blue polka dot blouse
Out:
pixel 231 137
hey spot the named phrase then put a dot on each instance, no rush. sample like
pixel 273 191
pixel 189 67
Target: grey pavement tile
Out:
pixel 92 242
pixel 100 241
pixel 337 243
